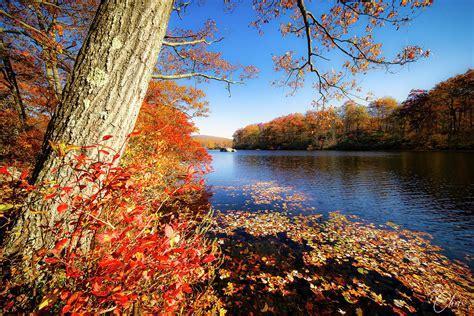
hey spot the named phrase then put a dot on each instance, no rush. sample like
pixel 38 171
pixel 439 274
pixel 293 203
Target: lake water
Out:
pixel 431 192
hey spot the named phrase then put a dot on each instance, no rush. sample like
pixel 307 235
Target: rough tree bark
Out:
pixel 102 97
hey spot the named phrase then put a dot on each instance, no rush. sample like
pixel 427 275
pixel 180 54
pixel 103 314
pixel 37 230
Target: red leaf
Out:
pixel 73 298
pixel 208 258
pixel 178 250
pixel 9 305
pixel 51 260
pixel 50 196
pixel 110 264
pixel 24 175
pixel 62 207
pixel 187 288
pixel 66 309
pixel 107 137
pixel 4 170
pixel 64 295
pixel 134 133
pixel 59 246
pixel 97 290
pixel 67 189
pixel 95 287
pixel 120 299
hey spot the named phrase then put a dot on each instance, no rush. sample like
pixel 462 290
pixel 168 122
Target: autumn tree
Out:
pixel 415 115
pixel 43 38
pixel 440 117
pixel 453 100
pixel 331 30
pixel 285 132
pixel 315 129
pixel 355 116
pixel 248 137
pixel 164 149
pixel 113 68
pixel 380 110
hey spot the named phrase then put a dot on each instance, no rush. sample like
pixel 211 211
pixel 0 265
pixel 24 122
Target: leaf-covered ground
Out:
pixel 280 263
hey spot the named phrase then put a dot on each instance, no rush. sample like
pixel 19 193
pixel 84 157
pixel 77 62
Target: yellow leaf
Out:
pixel 48 300
pixel 44 303
pixel 72 147
pixel 174 240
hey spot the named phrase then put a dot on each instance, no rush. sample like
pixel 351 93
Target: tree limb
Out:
pixel 194 74
pixel 199 41
pixel 41 43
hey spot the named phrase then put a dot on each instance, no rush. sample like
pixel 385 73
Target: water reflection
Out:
pixel 431 191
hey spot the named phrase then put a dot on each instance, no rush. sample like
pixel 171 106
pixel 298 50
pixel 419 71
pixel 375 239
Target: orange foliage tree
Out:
pixel 332 29
pixel 436 119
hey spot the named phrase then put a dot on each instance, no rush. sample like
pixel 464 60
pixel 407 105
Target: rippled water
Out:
pixel 427 191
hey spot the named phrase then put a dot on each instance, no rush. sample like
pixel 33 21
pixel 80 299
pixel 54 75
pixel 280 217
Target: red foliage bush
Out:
pixel 121 236
pixel 111 250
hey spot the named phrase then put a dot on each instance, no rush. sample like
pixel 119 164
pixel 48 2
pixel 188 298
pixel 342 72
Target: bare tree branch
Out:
pixel 194 74
pixel 196 42
pixel 41 43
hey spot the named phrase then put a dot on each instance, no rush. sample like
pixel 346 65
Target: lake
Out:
pixel 431 192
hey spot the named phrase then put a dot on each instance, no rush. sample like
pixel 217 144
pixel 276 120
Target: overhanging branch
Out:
pixel 194 74
pixel 185 43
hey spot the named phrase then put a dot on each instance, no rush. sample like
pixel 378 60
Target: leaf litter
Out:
pixel 280 261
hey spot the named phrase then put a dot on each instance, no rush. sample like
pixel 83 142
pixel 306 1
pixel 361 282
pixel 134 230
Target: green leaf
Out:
pixel 362 271
pixel 5 207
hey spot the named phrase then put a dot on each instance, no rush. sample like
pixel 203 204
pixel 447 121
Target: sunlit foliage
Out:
pixel 439 118
pixel 343 28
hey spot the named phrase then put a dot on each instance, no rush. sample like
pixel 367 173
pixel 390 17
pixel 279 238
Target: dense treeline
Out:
pixel 441 118
pixel 213 142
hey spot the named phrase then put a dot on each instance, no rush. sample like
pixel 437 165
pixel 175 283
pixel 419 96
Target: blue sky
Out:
pixel 446 28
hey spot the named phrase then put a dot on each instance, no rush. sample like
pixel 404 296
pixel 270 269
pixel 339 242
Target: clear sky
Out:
pixel 446 28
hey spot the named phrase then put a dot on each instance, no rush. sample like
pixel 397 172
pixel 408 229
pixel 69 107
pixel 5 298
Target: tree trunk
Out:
pixel 333 132
pixel 52 72
pixel 102 97
pixel 471 121
pixel 10 76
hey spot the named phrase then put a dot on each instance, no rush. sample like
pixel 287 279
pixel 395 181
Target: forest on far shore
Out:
pixel 212 142
pixel 441 118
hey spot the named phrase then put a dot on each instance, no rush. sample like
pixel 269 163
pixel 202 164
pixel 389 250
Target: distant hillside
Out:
pixel 212 142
